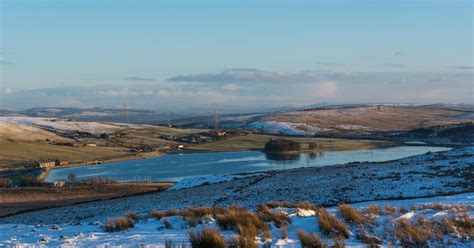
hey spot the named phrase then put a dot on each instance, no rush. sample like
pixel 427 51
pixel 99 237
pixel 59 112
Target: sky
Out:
pixel 234 54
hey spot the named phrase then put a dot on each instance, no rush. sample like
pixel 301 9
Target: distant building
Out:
pixel 45 164
pixel 91 144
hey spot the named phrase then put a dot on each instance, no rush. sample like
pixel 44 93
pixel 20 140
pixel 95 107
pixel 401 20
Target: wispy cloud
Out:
pixel 323 63
pixel 135 78
pixel 5 62
pixel 231 87
pixel 254 76
pixel 7 91
pixel 394 65
pixel 462 67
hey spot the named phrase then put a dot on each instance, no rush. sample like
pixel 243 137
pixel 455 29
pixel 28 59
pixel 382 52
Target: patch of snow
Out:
pixel 284 128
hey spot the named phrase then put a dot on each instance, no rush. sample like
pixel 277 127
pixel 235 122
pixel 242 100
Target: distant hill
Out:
pixel 99 114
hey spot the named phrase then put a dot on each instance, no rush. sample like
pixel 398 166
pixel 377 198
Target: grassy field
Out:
pixel 14 200
pixel 29 151
pixel 257 142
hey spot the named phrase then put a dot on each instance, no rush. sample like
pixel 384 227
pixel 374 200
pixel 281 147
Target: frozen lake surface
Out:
pixel 176 167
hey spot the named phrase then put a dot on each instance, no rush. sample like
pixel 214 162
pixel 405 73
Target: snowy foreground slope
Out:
pixel 383 227
pixel 444 173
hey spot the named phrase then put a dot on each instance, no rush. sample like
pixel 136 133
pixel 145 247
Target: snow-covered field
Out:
pixel 151 231
pixel 53 124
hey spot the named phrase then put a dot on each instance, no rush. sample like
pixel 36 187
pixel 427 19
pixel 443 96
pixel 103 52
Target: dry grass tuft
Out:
pixel 390 209
pixel 351 214
pixel 238 216
pixel 5 182
pixel 284 232
pixel 206 238
pixel 330 225
pixel 373 210
pixel 132 216
pixel 370 240
pixel 166 223
pixel 277 217
pixel 339 242
pixel 465 225
pixel 410 235
pixel 308 205
pixel 158 214
pixel 310 240
pixel 118 224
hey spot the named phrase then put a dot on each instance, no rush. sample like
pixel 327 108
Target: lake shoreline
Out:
pixel 177 166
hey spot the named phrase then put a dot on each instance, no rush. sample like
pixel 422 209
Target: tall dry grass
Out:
pixel 278 218
pixel 118 224
pixel 310 240
pixel 351 214
pixel 331 226
pixel 206 238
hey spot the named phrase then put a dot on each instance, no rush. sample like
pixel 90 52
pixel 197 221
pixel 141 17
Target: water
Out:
pixel 178 166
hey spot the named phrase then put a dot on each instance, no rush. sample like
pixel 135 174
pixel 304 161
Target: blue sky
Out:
pixel 181 48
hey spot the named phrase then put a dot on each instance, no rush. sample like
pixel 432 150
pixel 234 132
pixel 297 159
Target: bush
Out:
pixel 206 238
pixel 309 240
pixel 330 225
pixel 282 145
pixel 5 182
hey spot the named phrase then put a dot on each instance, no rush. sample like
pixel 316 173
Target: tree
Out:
pixel 72 177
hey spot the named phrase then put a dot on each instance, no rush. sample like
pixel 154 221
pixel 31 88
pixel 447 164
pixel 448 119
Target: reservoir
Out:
pixel 175 167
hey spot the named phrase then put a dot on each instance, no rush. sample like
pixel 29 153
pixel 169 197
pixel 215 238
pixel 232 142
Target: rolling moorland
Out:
pixel 105 215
